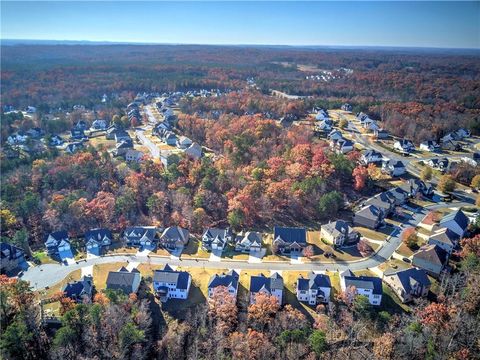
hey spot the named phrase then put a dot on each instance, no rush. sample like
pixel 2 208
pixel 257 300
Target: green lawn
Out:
pixel 43 258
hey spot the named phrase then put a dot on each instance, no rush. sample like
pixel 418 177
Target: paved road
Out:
pixel 49 274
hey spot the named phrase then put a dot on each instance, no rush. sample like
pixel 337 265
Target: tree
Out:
pixel 410 238
pixel 329 204
pixel 130 335
pixel 436 316
pixel 261 312
pixel 318 342
pixel 475 182
pixel 222 309
pixel 364 248
pixel 446 184
pixel 426 173
pixel 362 306
pixel 308 251
pixel 383 346
pixel 360 177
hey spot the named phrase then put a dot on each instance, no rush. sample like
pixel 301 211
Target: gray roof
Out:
pixel 122 280
pixel 409 277
pixel 433 254
pixel 459 217
pixel 365 282
pixel 175 233
pixel 369 212
pixel 290 235
pixel 314 282
pixel 337 228
pixel 274 282
pixel 228 279
pixel 168 275
pixel 445 236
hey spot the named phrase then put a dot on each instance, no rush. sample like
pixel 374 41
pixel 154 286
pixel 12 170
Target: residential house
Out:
pixel 394 167
pixel 383 202
pixel 430 146
pixel 341 146
pixel 251 241
pixel 404 146
pixel 112 131
pixel 18 138
pixel 99 125
pixel 369 216
pixel 171 284
pixel 289 240
pixel 371 157
pixel 121 135
pixel 81 124
pixel 431 258
pixel 444 238
pixel 369 286
pixel 184 142
pixel 451 145
pixel 229 280
pixel 315 289
pixel 335 135
pixel 324 126
pixel 133 155
pixel 96 239
pixel 347 107
pixel 272 286
pixel 55 140
pixel 170 138
pixel 11 257
pixel 80 290
pixel 417 186
pixel 469 161
pixel 73 147
pixel 321 115
pixel 381 134
pixel 338 233
pixel 438 164
pixel 122 147
pixel 456 221
pixel 174 238
pixel 371 126
pixel 216 239
pixel 194 151
pixel 449 137
pixel 123 280
pixel 398 195
pixel 57 241
pixel 462 133
pixel 408 283
pixel 140 236
pixel 77 133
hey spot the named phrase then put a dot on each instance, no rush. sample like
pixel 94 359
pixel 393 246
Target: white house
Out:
pixel 394 167
pixel 429 145
pixel 171 284
pixel 184 142
pixel 315 289
pixel 335 135
pixel 272 286
pixel 228 280
pixel 133 155
pixel 371 156
pixel 404 146
pixel 250 241
pixel 216 238
pixel 369 286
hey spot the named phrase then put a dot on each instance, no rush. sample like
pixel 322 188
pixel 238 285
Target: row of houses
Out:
pixel 390 166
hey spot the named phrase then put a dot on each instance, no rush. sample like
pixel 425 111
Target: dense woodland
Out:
pixel 417 93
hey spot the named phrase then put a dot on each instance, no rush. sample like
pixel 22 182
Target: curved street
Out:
pixel 47 275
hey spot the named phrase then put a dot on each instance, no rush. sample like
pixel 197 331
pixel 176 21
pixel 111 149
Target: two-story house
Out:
pixel 369 216
pixel 57 242
pixel 126 281
pixel 289 240
pixel 272 286
pixel 315 289
pixel 96 239
pixel 171 284
pixel 216 239
pixel 338 233
pixel 408 283
pixel 369 286
pixel 140 236
pixel 11 257
pixel 174 238
pixel 80 290
pixel 248 242
pixel 229 281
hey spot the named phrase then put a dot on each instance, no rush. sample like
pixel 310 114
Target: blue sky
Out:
pixel 424 24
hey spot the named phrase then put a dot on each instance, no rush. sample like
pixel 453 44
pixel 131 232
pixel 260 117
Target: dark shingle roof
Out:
pixel 365 282
pixel 459 217
pixel 75 288
pixel 431 253
pixel 98 234
pixel 168 275
pixel 9 251
pixel 122 280
pixel 291 235
pixel 445 236
pixel 314 281
pixel 228 279
pixel 409 277
pixel 369 212
pixel 274 282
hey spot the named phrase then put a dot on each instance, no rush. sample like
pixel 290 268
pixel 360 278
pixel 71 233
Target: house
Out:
pixel 315 289
pixel 462 133
pixel 369 286
pixel 142 236
pixel 342 146
pixel 444 238
pixel 383 202
pixel 470 161
pixel 456 221
pixel 371 126
pixel 95 239
pixel 431 258
pixel 11 257
pixel 133 155
pixel 73 147
pixel 81 124
pixel 99 125
pixel 417 186
pixel 170 138
pixel 80 290
pixel 17 138
pixel 394 167
pixel 404 146
pixel 57 241
pixel 216 239
pixel 289 240
pixel 398 195
pixel 35 132
pixel 77 133
pixel 381 134
pixel 347 107
pixel 430 146
pixel 449 137
pixel 112 131
pixel 123 280
pixel 229 280
pixel 451 145
pixel 438 164
pixel 194 151
pixel 321 115
pixel 338 233
pixel 174 238
pixel 272 286
pixel 121 135
pixel 251 241
pixel 371 157
pixel 184 142
pixel 369 216
pixel 324 126
pixel 408 283
pixel 55 140
pixel 335 135
pixel 171 284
